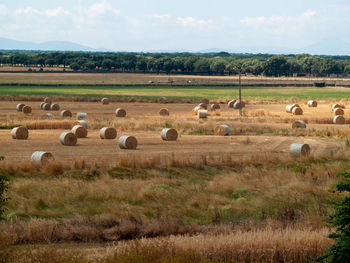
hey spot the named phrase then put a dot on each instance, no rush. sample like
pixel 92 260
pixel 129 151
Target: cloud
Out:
pixel 192 22
pixel 3 10
pixel 101 8
pixel 162 17
pixel 57 12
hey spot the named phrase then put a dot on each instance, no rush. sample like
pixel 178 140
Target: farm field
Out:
pixel 226 194
pixel 142 79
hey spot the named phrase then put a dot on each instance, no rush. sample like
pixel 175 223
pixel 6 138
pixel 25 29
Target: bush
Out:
pixel 340 252
pixel 3 187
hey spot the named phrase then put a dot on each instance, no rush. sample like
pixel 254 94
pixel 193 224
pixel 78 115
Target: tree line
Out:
pixel 221 63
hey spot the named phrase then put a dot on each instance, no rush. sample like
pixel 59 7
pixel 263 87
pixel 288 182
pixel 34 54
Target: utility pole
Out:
pixel 240 92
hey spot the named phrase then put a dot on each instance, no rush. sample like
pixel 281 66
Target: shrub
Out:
pixel 340 251
pixel 3 187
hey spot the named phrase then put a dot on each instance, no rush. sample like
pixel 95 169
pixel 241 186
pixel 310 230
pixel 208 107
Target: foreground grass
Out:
pixel 174 92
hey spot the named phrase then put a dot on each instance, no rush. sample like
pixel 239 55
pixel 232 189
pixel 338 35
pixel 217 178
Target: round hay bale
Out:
pixel 41 105
pixel 108 133
pixel 205 101
pixel 81 115
pixel 48 100
pixel 338 111
pixel 163 100
pixel 80 131
pixel 299 150
pixel 169 134
pixel 339 119
pixel 105 101
pixel 66 114
pixel 42 158
pixel 127 142
pixel 55 107
pixel 20 106
pixel 334 106
pixel 312 103
pixel 222 130
pixel 46 106
pixel 299 125
pixel 231 103
pixel 164 112
pixel 202 114
pixel 47 116
pixel 297 111
pixel 239 105
pixel 215 106
pixel 20 133
pixel 290 108
pixel 27 110
pixel 81 123
pixel 121 113
pixel 68 139
pixel 203 106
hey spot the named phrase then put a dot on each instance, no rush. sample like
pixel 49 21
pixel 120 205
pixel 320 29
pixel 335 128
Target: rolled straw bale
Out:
pixel 222 130
pixel 82 123
pixel 205 101
pixel 338 111
pixel 169 134
pixel 231 103
pixel 46 106
pixel 299 150
pixel 48 100
pixel 42 158
pixel 68 139
pixel 66 114
pixel 340 106
pixel 203 106
pixel 214 107
pixel 19 107
pixel 20 133
pixel 239 105
pixel 41 105
pixel 162 100
pixel 47 116
pixel 105 101
pixel 27 110
pixel 81 115
pixel 299 124
pixel 120 113
pixel 202 114
pixel 312 103
pixel 55 107
pixel 297 111
pixel 290 108
pixel 339 119
pixel 80 131
pixel 164 112
pixel 108 133
pixel 127 142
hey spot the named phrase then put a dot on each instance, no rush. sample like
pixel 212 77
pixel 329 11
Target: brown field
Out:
pixel 140 78
pixel 143 122
pixel 203 198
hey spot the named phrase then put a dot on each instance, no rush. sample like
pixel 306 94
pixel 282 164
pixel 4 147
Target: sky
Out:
pixel 193 25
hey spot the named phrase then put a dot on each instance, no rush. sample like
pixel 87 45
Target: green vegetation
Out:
pixel 175 92
pixel 212 63
pixel 3 188
pixel 340 252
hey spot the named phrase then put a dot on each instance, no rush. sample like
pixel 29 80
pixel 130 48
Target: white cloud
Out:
pixel 27 11
pixel 56 12
pixel 192 22
pixel 3 10
pixel 253 20
pixel 162 17
pixel 101 8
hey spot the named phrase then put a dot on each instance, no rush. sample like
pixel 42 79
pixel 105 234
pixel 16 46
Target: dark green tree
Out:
pixel 340 252
pixel 75 66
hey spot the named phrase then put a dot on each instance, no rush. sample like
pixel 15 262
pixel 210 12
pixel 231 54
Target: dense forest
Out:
pixel 184 63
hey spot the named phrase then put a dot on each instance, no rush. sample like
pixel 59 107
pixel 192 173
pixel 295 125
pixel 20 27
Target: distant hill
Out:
pixel 328 46
pixel 10 44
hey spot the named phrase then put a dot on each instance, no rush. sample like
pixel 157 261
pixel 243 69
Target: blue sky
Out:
pixel 136 25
